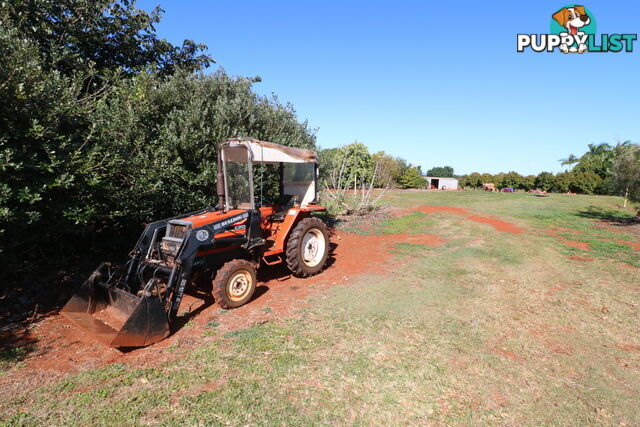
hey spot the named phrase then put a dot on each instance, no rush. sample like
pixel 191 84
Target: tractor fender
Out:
pixel 293 217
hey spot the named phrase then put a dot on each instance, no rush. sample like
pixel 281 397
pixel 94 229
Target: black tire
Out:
pixel 301 263
pixel 234 283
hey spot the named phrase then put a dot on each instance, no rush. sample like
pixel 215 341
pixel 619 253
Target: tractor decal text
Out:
pixel 230 221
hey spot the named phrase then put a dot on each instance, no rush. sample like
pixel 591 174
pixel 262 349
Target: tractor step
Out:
pixel 277 260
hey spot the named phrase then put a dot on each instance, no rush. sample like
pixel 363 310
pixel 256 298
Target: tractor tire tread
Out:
pixel 221 277
pixel 293 260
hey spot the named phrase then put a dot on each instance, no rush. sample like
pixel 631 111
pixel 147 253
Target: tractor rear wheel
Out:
pixel 234 283
pixel 308 247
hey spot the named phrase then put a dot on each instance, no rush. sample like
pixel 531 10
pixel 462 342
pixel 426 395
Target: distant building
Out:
pixel 439 183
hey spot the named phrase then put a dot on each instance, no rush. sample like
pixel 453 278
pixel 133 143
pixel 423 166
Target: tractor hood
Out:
pixel 220 219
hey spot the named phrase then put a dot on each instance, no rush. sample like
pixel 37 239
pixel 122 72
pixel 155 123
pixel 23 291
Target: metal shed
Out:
pixel 441 183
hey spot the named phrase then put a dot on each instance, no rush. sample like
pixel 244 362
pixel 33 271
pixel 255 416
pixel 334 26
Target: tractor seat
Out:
pixel 286 202
pixel 277 217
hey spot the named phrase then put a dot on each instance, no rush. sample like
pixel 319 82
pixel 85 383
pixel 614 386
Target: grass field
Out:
pixel 536 327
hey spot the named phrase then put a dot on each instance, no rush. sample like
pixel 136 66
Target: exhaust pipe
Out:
pixel 220 182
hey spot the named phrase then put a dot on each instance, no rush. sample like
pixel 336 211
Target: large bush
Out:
pixel 545 181
pixel 585 182
pixel 626 172
pixel 84 165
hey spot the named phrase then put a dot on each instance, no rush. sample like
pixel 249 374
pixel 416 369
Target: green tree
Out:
pixel 329 162
pixel 626 171
pixel 356 165
pixel 563 182
pixel 528 182
pixel 585 182
pixel 441 171
pixel 75 36
pixel 411 178
pixel 488 178
pixel 80 171
pixel 474 180
pixel 512 179
pixel 546 181
pixel 387 169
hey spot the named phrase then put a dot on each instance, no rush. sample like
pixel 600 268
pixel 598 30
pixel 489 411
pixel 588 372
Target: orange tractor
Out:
pixel 134 306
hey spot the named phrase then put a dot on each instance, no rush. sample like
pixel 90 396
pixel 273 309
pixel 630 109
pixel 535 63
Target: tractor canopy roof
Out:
pixel 235 150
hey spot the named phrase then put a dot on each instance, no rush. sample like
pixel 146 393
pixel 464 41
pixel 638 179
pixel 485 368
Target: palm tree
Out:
pixel 598 149
pixel 569 160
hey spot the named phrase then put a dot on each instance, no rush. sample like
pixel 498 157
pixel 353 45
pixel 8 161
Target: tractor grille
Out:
pixel 177 231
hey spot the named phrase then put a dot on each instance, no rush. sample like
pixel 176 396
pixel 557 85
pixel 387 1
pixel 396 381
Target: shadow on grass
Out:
pixel 17 343
pixel 616 217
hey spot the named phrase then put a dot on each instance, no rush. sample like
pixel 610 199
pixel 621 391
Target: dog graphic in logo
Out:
pixel 573 19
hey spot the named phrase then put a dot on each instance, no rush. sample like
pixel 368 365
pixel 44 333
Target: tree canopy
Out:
pixel 104 126
pixel 441 171
pixel 74 36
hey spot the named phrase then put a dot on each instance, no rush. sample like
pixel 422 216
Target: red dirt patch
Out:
pixel 61 347
pixel 628 347
pixel 575 244
pixel 581 258
pixel 498 224
pixel 555 288
pixel 555 232
pixel 496 400
pixel 507 354
pixel 433 209
pixel 632 245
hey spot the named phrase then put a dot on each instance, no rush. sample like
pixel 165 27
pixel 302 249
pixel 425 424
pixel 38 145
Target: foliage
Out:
pixel 528 182
pixel 473 180
pixel 388 170
pixel 356 168
pixel 563 182
pixel 512 179
pixel 341 199
pixel 358 164
pixel 81 35
pixel 603 169
pixel 626 172
pixel 441 172
pixel 411 178
pixel 585 182
pixel 545 181
pixel 81 167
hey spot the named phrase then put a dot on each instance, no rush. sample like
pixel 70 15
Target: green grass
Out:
pixel 487 328
pixel 413 223
pixel 12 357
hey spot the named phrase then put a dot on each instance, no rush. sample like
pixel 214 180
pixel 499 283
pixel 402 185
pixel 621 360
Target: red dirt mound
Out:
pixel 498 224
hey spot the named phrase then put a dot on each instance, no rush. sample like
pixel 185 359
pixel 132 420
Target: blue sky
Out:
pixel 437 83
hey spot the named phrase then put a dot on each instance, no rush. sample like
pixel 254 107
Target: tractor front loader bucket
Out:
pixel 114 316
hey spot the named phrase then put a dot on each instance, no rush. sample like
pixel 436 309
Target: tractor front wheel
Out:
pixel 234 283
pixel 308 247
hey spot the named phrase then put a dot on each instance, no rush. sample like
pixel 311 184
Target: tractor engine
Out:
pixel 172 241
